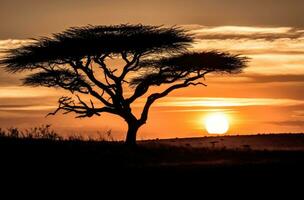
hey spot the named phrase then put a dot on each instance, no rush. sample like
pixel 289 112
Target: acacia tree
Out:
pixel 77 60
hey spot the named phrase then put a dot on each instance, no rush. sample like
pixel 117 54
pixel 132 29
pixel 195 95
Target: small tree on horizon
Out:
pixel 76 60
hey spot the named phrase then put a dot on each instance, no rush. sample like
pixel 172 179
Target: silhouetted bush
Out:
pixel 41 132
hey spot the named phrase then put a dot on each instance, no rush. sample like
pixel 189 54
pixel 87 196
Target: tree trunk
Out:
pixel 131 134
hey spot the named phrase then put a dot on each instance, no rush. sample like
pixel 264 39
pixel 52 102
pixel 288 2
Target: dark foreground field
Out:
pixel 165 159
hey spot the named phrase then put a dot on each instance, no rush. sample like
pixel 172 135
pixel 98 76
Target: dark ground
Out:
pixel 112 163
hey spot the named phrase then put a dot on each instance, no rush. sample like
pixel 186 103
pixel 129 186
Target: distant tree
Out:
pixel 77 60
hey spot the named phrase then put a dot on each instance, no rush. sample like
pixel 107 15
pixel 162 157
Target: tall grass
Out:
pixel 46 132
pixel 40 132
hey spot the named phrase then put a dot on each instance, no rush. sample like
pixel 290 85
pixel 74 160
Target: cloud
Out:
pixel 272 50
pixel 25 107
pixel 25 104
pixel 298 113
pixel 7 79
pixel 297 123
pixel 12 43
pixel 280 78
pixel 23 92
pixel 277 55
pixel 16 99
pixel 246 32
pixel 258 78
pixel 253 46
pixel 223 102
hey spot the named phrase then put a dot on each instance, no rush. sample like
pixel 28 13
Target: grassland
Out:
pixel 258 156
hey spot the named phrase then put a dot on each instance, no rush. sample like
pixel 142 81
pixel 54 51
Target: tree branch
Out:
pixel 92 78
pixel 107 72
pixel 153 97
pixel 82 109
pixel 130 65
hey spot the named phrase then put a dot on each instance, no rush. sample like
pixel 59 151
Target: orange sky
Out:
pixel 267 97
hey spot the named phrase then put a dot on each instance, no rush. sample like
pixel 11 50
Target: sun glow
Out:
pixel 216 123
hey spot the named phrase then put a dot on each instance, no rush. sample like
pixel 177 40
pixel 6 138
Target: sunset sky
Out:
pixel 267 98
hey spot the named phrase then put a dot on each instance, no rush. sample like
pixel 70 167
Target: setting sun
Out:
pixel 216 123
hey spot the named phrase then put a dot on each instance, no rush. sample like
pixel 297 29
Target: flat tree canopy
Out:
pixel 76 60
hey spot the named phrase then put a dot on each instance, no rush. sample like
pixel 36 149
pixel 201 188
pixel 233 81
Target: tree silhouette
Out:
pixel 79 60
